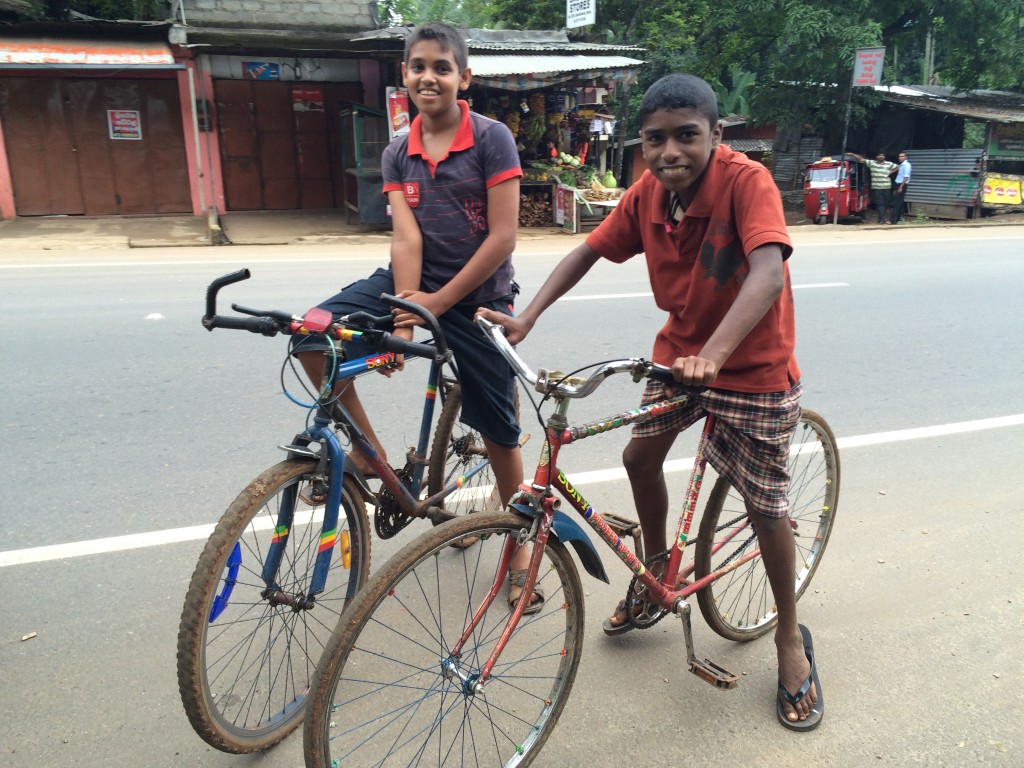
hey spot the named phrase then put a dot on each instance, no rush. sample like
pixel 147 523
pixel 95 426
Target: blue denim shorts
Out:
pixel 488 383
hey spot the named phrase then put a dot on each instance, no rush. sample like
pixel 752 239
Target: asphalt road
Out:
pixel 123 418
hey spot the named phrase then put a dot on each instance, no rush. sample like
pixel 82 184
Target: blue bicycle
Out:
pixel 292 550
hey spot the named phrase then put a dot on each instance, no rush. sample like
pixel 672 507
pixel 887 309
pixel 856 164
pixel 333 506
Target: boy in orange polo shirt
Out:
pixel 710 222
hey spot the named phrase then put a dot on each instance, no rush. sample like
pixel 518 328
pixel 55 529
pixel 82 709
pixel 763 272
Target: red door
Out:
pixel 70 155
pixel 279 143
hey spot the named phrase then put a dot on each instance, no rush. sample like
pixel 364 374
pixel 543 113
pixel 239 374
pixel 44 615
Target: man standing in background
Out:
pixel 902 179
pixel 881 182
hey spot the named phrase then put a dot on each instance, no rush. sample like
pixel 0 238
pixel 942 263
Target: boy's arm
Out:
pixel 760 289
pixel 406 254
pixel 502 223
pixel 563 277
pixel 406 244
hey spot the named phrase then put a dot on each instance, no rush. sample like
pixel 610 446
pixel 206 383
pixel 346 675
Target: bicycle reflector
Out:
pixel 317 320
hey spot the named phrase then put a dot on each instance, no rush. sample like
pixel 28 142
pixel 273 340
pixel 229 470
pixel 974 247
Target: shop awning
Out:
pixel 30 53
pixel 521 73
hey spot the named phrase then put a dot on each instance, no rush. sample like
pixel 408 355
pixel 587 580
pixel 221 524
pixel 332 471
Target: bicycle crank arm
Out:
pixel 706 670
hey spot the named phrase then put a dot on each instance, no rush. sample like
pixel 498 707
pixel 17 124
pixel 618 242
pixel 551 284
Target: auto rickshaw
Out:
pixel 831 179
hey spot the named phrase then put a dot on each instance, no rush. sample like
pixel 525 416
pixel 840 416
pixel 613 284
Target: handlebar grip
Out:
pixel 215 286
pixel 414 348
pixel 663 374
pixel 263 325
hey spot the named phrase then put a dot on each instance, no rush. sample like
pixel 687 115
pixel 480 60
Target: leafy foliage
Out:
pixel 790 61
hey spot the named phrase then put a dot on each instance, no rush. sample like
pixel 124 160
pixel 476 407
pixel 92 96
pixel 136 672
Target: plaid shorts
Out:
pixel 749 445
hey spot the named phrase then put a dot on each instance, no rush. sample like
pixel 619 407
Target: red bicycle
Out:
pixel 429 665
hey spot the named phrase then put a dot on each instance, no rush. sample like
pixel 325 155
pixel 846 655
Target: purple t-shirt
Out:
pixel 449 198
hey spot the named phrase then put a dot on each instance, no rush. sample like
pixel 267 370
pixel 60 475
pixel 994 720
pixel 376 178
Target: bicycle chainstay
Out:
pixel 390 517
pixel 649 613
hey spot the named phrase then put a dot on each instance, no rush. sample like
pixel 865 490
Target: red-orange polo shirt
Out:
pixel 696 268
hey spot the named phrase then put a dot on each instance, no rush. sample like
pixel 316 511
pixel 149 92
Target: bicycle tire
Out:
pixel 381 694
pixel 244 668
pixel 457 448
pixel 739 605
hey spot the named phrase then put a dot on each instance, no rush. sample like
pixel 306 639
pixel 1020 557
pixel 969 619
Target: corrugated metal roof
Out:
pixel 997 106
pixel 749 145
pixel 487 65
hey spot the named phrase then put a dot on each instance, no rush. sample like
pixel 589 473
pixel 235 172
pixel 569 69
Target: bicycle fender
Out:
pixel 569 532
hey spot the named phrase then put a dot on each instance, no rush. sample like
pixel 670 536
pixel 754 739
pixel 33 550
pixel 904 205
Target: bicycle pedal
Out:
pixel 710 672
pixel 621 525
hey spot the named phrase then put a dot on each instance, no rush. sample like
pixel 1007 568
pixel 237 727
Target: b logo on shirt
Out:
pixel 412 193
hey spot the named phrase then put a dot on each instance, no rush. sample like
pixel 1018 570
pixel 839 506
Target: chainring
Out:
pixel 642 613
pixel 390 518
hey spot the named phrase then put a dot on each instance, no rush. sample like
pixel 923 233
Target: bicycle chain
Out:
pixel 390 518
pixel 649 613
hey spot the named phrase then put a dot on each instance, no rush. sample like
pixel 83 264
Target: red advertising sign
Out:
pixel 868 67
pixel 308 99
pixel 398 111
pixel 124 124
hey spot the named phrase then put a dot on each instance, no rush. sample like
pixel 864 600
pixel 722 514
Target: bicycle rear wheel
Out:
pixel 456 450
pixel 739 605
pixel 244 665
pixel 388 691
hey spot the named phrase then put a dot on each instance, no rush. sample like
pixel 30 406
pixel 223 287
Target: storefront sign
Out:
pixel 867 70
pixel 261 70
pixel 1006 140
pixel 1002 189
pixel 124 124
pixel 580 13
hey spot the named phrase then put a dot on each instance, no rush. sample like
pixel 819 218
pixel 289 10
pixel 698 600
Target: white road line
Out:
pixel 582 479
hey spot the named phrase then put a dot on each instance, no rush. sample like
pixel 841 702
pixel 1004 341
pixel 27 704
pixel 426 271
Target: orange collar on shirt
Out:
pixel 463 137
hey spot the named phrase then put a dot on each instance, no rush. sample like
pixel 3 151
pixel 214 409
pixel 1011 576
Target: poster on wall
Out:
pixel 398 111
pixel 1002 189
pixel 308 99
pixel 261 70
pixel 124 124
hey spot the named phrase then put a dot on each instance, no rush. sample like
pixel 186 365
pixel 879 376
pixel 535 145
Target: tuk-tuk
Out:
pixel 829 179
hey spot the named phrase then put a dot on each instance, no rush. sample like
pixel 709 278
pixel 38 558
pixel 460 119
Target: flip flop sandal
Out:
pixel 517 578
pixel 618 629
pixel 814 719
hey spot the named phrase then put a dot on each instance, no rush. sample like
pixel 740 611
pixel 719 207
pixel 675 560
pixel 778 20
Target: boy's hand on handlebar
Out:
pixel 399 365
pixel 429 301
pixel 515 327
pixel 694 371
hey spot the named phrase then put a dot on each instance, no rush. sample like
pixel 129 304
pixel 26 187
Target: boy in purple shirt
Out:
pixel 453 187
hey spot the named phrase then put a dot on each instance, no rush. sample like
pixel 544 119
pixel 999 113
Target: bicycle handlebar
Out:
pixel 560 385
pixel 361 324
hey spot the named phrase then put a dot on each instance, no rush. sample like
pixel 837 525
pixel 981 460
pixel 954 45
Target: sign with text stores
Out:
pixel 580 13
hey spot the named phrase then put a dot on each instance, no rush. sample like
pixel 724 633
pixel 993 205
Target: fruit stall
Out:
pixel 557 98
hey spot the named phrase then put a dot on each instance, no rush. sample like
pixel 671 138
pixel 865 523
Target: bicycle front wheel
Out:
pixel 245 660
pixel 739 605
pixel 456 451
pixel 389 690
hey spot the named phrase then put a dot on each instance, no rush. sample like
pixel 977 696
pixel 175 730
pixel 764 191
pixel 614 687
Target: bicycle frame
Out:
pixel 539 498
pixel 321 432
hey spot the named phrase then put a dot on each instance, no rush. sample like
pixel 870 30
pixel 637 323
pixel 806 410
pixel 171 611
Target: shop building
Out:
pixel 224 109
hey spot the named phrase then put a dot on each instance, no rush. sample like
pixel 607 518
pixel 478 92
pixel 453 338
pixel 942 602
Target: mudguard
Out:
pixel 569 532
